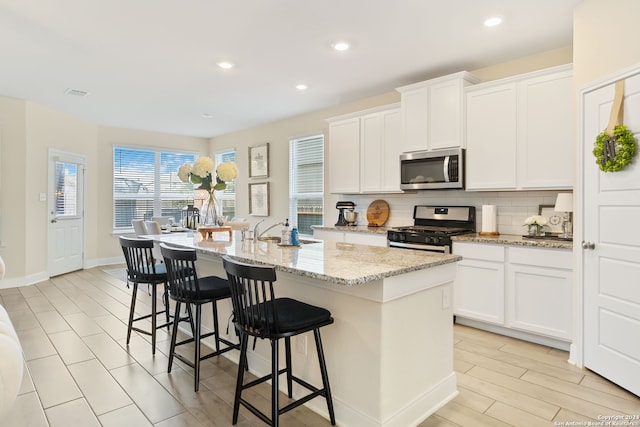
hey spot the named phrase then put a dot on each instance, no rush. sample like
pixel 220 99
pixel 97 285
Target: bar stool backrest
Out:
pixel 138 254
pixel 252 295
pixel 181 271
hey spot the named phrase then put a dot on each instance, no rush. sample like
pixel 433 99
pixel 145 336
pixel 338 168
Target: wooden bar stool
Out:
pixel 185 287
pixel 143 268
pixel 259 314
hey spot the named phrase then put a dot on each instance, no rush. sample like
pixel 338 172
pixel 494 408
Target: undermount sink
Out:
pixel 278 239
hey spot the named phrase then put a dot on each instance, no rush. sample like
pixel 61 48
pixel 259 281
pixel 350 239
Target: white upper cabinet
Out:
pixel 364 152
pixel 433 113
pixel 519 132
pixel 344 156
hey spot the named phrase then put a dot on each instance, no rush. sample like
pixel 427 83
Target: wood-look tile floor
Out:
pixel 80 372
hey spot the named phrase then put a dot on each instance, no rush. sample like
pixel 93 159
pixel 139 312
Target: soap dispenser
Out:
pixel 286 233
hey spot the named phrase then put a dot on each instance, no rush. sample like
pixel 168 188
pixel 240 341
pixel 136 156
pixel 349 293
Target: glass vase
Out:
pixel 209 212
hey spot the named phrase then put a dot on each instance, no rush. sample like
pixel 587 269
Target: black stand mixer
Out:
pixel 343 206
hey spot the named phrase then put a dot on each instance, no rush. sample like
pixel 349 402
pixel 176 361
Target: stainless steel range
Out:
pixel 433 227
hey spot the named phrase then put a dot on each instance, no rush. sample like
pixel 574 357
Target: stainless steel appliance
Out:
pixel 342 206
pixel 433 227
pixel 430 170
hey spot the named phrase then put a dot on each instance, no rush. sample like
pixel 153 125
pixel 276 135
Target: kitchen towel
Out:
pixel 489 219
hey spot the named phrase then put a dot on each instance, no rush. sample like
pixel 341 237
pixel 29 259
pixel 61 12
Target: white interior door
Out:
pixel 66 213
pixel 611 248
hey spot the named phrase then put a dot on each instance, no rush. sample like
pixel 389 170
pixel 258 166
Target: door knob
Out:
pixel 588 245
pixel 53 221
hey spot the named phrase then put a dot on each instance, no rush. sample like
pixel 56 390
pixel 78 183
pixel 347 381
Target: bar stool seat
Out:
pixel 185 287
pixel 143 268
pixel 259 314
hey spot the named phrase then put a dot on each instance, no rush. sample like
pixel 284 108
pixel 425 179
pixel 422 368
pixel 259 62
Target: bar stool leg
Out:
pixel 325 376
pixel 174 334
pixel 215 324
pixel 154 321
pixel 287 347
pixel 274 383
pixel 131 311
pixel 244 341
pixel 196 341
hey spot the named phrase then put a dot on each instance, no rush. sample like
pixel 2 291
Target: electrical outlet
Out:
pixel 446 298
pixel 301 344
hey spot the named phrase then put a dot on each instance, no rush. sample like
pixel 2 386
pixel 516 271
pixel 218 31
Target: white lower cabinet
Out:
pixel 478 292
pixel 515 289
pixel 539 291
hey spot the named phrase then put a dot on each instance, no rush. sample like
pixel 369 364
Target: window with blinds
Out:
pixel 306 182
pixel 146 184
pixel 227 197
pixel 66 192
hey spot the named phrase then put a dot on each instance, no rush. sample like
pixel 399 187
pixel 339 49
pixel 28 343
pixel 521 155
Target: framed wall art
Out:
pixel 259 199
pixel 554 224
pixel 259 161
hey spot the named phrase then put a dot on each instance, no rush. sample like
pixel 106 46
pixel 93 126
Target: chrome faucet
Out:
pixel 256 229
pixel 258 236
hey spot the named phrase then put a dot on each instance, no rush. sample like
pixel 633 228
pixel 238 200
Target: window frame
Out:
pixel 157 191
pixel 294 196
pixel 218 158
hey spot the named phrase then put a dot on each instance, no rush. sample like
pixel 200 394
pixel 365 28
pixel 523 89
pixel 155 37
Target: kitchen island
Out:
pixel 389 352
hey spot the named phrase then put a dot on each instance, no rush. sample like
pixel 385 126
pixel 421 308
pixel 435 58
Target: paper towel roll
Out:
pixel 489 220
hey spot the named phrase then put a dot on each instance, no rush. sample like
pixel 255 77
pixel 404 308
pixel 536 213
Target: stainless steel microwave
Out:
pixel 430 170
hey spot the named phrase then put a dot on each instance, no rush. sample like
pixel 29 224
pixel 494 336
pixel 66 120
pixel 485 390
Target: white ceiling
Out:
pixel 151 64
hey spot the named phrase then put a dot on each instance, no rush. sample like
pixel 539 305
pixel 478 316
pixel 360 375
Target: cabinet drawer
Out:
pixel 553 258
pixel 479 251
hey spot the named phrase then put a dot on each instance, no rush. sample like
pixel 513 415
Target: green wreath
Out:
pixel 614 153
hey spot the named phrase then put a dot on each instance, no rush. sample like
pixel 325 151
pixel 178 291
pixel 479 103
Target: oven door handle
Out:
pixel 445 249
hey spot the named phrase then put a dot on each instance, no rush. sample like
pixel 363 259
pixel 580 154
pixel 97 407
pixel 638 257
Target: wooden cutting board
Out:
pixel 377 213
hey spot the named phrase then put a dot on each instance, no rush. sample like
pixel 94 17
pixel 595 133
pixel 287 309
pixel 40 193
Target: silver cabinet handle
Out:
pixel 588 245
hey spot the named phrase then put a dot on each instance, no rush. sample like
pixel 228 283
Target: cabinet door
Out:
pixel 445 115
pixel 392 134
pixel 344 156
pixel 539 300
pixel 491 138
pixel 365 238
pixel 371 151
pixel 545 138
pixel 478 291
pixel 328 236
pixel 415 113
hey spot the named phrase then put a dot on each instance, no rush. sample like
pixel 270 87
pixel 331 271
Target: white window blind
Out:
pixel 306 182
pixel 66 193
pixel 227 197
pixel 146 184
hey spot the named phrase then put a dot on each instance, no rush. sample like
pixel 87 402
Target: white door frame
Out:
pixel 80 159
pixel 577 348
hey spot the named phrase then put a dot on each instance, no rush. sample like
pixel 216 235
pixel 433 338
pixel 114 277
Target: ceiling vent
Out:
pixel 75 92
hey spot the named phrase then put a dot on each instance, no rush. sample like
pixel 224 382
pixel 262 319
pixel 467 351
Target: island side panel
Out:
pixel 388 362
pixel 416 353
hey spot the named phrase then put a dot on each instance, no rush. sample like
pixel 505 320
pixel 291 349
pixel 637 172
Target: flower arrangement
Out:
pixel 535 224
pixel 201 172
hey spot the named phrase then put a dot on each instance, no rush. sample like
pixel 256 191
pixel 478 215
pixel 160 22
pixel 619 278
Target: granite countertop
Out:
pixel 513 240
pixel 341 263
pixel 354 228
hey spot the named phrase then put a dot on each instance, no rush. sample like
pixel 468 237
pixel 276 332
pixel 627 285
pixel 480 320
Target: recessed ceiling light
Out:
pixel 302 87
pixel 226 65
pixel 492 22
pixel 341 46
pixel 207 116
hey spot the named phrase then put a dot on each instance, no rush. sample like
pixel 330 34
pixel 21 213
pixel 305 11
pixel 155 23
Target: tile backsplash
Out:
pixel 513 207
